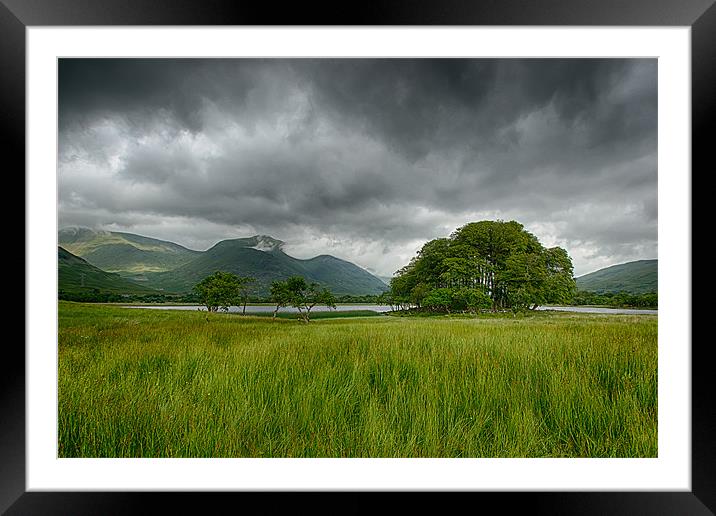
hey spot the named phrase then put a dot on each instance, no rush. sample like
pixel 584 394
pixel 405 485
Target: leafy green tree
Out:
pixel 418 293
pixel 302 295
pixel 472 299
pixel 560 285
pixel 463 269
pixel 454 299
pixel 494 242
pixel 219 291
pixel 429 263
pixel 616 299
pixel 401 285
pixel 650 299
pixel 487 259
pixel 280 295
pixel 386 298
pixel 523 278
pixel 439 298
pixel 246 288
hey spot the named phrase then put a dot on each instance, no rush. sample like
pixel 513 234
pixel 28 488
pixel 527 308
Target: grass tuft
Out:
pixel 153 383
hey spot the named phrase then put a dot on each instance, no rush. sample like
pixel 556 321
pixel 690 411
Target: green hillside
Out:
pixel 125 253
pixel 385 279
pixel 341 276
pixel 76 276
pixel 171 268
pixel 261 257
pixel 637 277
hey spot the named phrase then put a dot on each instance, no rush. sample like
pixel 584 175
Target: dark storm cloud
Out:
pixel 364 157
pixel 140 90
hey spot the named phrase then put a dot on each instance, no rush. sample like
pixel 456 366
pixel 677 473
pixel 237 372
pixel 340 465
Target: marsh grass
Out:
pixel 333 314
pixel 152 383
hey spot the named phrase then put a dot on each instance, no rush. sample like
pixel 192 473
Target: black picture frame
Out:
pixel 16 15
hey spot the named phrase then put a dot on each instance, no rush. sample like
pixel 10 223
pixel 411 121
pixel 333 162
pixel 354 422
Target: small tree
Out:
pixel 219 291
pixel 301 295
pixel 280 295
pixel 245 290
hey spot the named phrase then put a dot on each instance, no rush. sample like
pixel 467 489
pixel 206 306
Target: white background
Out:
pixel 670 471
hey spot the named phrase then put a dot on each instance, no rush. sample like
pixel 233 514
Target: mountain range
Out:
pixel 76 276
pixel 124 253
pixel 119 262
pixel 639 277
pixel 171 268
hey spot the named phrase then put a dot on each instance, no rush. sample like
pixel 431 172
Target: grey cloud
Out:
pixel 369 154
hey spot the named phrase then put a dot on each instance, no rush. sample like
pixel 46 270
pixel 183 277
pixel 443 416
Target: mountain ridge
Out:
pixel 127 254
pixel 77 276
pixel 265 266
pixel 173 268
pixel 636 277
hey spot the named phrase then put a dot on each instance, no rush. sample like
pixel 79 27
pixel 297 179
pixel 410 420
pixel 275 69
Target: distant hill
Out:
pixel 125 253
pixel 262 258
pixel 385 279
pixel 636 277
pixel 171 268
pixel 76 276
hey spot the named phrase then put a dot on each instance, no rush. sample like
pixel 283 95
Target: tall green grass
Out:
pixel 151 383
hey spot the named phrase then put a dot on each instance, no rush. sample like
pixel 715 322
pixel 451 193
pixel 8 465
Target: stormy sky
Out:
pixel 364 159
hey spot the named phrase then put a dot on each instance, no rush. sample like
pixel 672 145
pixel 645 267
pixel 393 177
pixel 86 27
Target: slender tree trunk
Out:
pixel 276 311
pixel 308 312
pixel 301 315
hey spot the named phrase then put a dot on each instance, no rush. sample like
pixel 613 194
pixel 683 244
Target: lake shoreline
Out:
pixel 263 308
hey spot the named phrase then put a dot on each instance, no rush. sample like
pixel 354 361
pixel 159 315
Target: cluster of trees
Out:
pixel 367 298
pixel 96 295
pixel 617 299
pixel 303 296
pixel 487 265
pixel 221 290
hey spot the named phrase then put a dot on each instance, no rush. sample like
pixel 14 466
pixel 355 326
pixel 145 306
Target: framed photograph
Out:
pixel 410 211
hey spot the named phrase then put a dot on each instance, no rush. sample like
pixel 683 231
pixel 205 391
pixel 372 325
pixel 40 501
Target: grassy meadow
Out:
pixel 155 383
